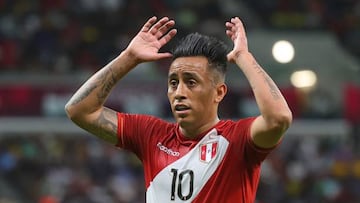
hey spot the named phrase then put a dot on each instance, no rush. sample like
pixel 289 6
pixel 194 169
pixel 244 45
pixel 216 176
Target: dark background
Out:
pixel 49 47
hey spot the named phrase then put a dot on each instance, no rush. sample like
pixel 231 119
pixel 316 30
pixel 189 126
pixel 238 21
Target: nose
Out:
pixel 180 92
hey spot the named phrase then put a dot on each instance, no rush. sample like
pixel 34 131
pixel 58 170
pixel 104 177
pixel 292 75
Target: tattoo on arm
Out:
pixel 84 94
pixel 274 91
pixel 108 80
pixel 257 67
pixel 105 80
pixel 105 126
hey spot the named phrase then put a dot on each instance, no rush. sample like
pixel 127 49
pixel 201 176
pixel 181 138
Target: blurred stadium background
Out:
pixel 49 47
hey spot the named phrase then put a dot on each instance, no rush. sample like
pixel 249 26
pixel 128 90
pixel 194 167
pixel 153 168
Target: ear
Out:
pixel 221 90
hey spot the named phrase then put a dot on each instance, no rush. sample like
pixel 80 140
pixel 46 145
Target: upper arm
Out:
pixel 102 123
pixel 267 135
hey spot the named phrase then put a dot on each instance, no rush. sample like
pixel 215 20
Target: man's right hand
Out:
pixel 153 35
pixel 86 107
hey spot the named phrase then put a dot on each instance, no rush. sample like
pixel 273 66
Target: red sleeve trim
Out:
pixel 120 130
pixel 261 149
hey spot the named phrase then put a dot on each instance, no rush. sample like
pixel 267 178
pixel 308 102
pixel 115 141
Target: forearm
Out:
pixel 91 96
pixel 271 103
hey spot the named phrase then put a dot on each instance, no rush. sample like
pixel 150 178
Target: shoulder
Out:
pixel 137 116
pixel 143 120
pixel 241 124
pixel 138 130
pixel 236 131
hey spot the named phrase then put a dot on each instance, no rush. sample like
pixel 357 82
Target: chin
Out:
pixel 183 121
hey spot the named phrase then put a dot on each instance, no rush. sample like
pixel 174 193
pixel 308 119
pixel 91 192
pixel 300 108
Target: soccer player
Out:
pixel 200 158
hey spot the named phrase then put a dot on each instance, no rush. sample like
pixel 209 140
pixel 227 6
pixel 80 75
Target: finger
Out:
pixel 229 25
pixel 165 28
pixel 238 24
pixel 166 38
pixel 231 35
pixel 235 20
pixel 230 30
pixel 163 55
pixel 148 24
pixel 153 30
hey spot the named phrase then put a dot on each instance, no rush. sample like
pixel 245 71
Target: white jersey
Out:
pixel 183 179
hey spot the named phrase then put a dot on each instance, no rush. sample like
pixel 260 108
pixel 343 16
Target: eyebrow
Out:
pixel 172 75
pixel 185 74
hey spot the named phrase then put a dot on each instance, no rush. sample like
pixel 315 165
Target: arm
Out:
pixel 268 128
pixel 86 107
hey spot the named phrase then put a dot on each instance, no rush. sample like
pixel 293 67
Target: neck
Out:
pixel 191 132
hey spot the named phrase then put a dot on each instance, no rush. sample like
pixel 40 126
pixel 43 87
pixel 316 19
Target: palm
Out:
pixel 236 32
pixel 146 44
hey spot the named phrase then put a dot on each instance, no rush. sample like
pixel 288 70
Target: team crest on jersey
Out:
pixel 208 151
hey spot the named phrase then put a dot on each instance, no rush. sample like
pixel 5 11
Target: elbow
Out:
pixel 281 121
pixel 68 111
pixel 75 115
pixel 79 114
pixel 286 120
pixel 71 112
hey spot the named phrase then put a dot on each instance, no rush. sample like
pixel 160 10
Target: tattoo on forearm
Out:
pixel 84 94
pixel 105 128
pixel 257 67
pixel 274 91
pixel 106 80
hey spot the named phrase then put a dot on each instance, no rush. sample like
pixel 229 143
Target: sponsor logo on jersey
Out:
pixel 167 150
pixel 208 151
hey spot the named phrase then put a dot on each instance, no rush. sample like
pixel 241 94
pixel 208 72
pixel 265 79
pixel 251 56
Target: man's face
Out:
pixel 192 92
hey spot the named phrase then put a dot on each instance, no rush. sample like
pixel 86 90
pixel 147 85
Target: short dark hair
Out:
pixel 213 49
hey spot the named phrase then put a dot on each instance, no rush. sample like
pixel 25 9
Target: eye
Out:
pixel 191 83
pixel 173 83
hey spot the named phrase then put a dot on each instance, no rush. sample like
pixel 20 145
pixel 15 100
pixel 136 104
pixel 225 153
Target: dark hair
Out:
pixel 196 44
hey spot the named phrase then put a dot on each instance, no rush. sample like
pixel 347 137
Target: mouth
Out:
pixel 181 107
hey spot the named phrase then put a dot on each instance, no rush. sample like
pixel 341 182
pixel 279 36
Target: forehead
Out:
pixel 195 64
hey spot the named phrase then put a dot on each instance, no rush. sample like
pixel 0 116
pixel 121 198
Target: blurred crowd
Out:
pixel 67 168
pixel 63 37
pixel 60 36
pixel 67 36
pixel 341 17
pixel 311 169
pixel 49 168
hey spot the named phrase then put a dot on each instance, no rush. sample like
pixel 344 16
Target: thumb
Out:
pixel 164 55
pixel 230 56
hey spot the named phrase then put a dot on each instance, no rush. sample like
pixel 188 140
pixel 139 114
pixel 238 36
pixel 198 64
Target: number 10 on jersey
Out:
pixel 179 182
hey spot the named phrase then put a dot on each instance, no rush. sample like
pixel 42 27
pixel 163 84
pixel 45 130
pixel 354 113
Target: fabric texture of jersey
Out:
pixel 220 165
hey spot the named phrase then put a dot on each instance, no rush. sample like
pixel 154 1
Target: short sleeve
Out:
pixel 136 132
pixel 244 146
pixel 253 153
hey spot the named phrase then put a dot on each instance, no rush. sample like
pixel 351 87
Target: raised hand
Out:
pixel 235 30
pixel 153 35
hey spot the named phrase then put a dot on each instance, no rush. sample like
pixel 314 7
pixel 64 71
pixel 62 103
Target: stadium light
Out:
pixel 303 79
pixel 283 51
